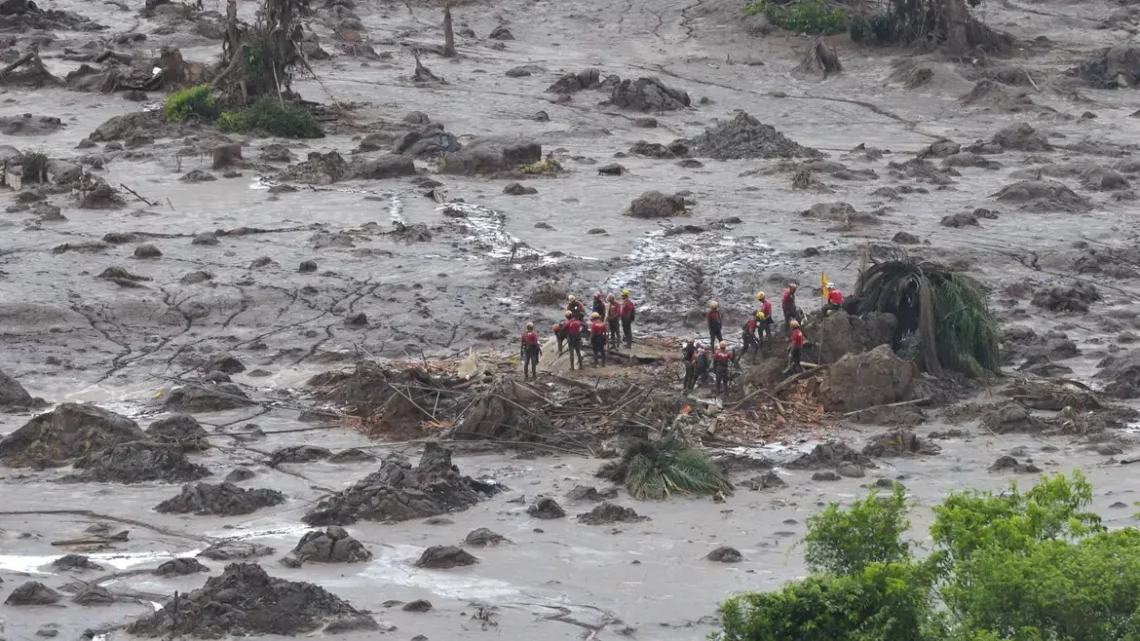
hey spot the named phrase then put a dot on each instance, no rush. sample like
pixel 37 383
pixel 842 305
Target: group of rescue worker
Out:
pixel 611 323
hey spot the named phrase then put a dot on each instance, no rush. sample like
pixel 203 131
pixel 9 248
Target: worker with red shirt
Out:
pixel 834 297
pixel 715 322
pixel 529 352
pixel 797 341
pixel 560 331
pixel 750 339
pixel 613 319
pixel 575 307
pixel 766 309
pixel 790 309
pixel 627 317
pixel 597 338
pixel 689 358
pixel 721 360
pixel 574 328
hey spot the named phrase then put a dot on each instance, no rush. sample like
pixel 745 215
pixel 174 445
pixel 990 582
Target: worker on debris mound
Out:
pixel 797 341
pixel 529 352
pixel 575 307
pixel 715 322
pixel 613 319
pixel 597 338
pixel 689 358
pixel 750 339
pixel 721 360
pixel 574 328
pixel 790 309
pixel 701 366
pixel 766 309
pixel 560 331
pixel 599 304
pixel 834 298
pixel 628 313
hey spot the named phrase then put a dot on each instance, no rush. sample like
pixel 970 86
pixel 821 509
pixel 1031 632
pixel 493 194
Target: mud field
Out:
pixel 1015 169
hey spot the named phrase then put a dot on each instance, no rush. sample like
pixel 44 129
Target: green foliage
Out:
pixel 271 116
pixel 655 471
pixel 870 531
pixel 812 17
pixel 191 102
pixel 874 29
pixel 34 166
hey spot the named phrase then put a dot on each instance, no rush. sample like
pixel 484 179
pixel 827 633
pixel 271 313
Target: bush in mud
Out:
pixel 811 17
pixel 1021 566
pixel 270 115
pixel 875 29
pixel 34 166
pixel 191 102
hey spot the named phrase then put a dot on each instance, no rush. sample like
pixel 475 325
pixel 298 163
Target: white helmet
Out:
pixel 831 285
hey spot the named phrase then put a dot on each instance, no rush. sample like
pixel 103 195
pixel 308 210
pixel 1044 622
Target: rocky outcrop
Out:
pixel 333 545
pixel 608 513
pixel 863 380
pixel 223 499
pixel 444 557
pixel 13 396
pixel 647 94
pixel 181 430
pixel 137 462
pixel 65 433
pixel 654 204
pixel 33 593
pixel 492 158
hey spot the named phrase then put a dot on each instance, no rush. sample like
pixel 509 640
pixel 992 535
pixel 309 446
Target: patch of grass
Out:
pixel 654 471
pixel 542 168
pixel 811 17
pixel 269 115
pixel 191 102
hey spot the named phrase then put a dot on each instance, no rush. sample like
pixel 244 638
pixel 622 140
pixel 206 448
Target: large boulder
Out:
pixel 333 545
pixel 13 396
pixel 491 157
pixel 182 430
pixel 647 94
pixel 863 380
pixel 654 204
pixel 138 462
pixel 223 499
pixel 1122 374
pixel 389 166
pixel 65 433
pixel 846 334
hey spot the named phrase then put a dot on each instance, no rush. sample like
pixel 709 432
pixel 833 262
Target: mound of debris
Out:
pixel 877 377
pixel 244 601
pixel 318 169
pixel 298 454
pixel 585 79
pixel 899 443
pixel 1010 464
pixel 1122 371
pixel 232 550
pixel 1111 68
pixel 182 430
pixel 744 137
pixel 840 212
pixel 493 417
pixel 79 562
pixel 547 508
pixel 1012 417
pixel 1051 396
pixel 1044 195
pixel 13 396
pixel 725 554
pixel 180 567
pixel 647 94
pixel 848 334
pixel 608 513
pixel 994 95
pixel 334 545
pixel 1020 137
pixel 830 454
pixel 210 397
pixel 588 493
pixel 136 462
pixel 1067 298
pixel 33 593
pixel 398 492
pixel 65 433
pixel 484 537
pixel 492 158
pixel 654 204
pixel 223 499
pixel 445 557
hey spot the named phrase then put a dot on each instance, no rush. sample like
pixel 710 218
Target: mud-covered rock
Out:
pixel 232 550
pixel 1067 298
pixel 607 513
pixel 518 189
pixel 182 430
pixel 1021 137
pixel 500 32
pixel 94 595
pixel 137 462
pixel 612 169
pixel 419 605
pixel 1010 464
pixel 1111 68
pixel 846 334
pixel 872 378
pixel 75 562
pixel 298 454
pixel 67 432
pixel 384 167
pixel 491 157
pixel 224 363
pixel 484 537
pixel 443 557
pixel 767 481
pixel 647 94
pixel 246 601
pixel 1044 195
pixel 213 397
pixel 840 212
pixel 239 474
pixel 725 554
pixel 850 470
pixel 223 499
pixel 575 82
pixel 829 455
pixel 13 396
pixel 180 567
pixel 1012 417
pixel 654 204
pixel 351 455
pixel 959 220
pixel 546 508
pixel 33 593
pixel 398 492
pixel 651 150
pixel 744 137
pixel 333 545
pixel 1122 374
pixel 318 169
pixel 899 443
pixel 587 493
pixel 825 475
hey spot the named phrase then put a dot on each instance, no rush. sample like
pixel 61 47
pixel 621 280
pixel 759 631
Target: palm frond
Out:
pixel 655 471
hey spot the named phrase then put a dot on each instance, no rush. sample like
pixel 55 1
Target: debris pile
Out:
pixel 65 433
pixel 398 492
pixel 223 499
pixel 33 593
pixel 333 545
pixel 744 137
pixel 444 557
pixel 246 601
pixel 877 377
pixel 654 204
pixel 647 94
pixel 211 397
pixel 13 396
pixel 137 462
pixel 1122 373
pixel 182 430
pixel 484 537
pixel 607 513
pixel 546 508
pixel 899 443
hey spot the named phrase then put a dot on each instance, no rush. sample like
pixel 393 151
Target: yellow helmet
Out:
pixel 595 316
pixel 760 315
pixel 567 314
pixel 625 293
pixel 724 344
pixel 795 324
pixel 760 296
pixel 571 298
pixel 712 304
pixel 530 325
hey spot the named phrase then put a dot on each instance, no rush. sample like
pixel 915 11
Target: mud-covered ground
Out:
pixel 71 335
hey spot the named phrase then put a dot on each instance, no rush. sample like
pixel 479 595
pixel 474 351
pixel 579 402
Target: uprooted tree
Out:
pixel 947 22
pixel 260 59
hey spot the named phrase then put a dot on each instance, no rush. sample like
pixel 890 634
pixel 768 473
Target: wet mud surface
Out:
pixel 250 279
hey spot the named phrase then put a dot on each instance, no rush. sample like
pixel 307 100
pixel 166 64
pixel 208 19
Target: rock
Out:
pixel 245 601
pixel 27 124
pixel 515 189
pixel 829 455
pixel 147 251
pixel 224 363
pixel 863 380
pixel 596 231
pixel 33 593
pixel 231 550
pixel 298 454
pixel 941 149
pixel 483 537
pixel 575 82
pixel 383 168
pixel 419 605
pixel 1008 463
pixel 647 94
pixel 1044 195
pixel 848 334
pixel 94 595
pixel 904 238
pixel 137 462
pixel 524 71
pixel 207 398
pixel 645 123
pixel 318 169
pixel 444 557
pixel 47 632
pixel 766 481
pixel 744 137
pixel 1021 137
pixel 840 212
pixel 208 239
pixel 1067 298
pixel 334 545
pixel 1122 371
pixel 690 163
pixel 239 474
pixel 67 432
pixel 351 455
pixel 77 562
pixel 608 513
pixel 198 176
pixel 1101 179
pixel 851 470
pixel 1011 417
pixel 960 219
pixel 13 396
pixel 227 155
pixel 276 153
pixel 825 475
pixel 587 493
pixel 417 118
pixel 546 508
pixel 500 33
pixel 180 567
pixel 899 443
pixel 223 499
pixel 654 204
pixel 491 157
pixel 398 492
pixel 182 430
pixel 725 554
pixel 651 150
pixel 307 266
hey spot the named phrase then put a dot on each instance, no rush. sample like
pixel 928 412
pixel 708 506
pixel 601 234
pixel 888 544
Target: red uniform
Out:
pixel 722 357
pixel 615 310
pixel 627 309
pixel 573 328
pixel 598 328
pixel 750 326
pixel 789 296
pixel 797 339
pixel 767 309
pixel 713 316
pixel 530 339
pixel 530 352
pixel 835 297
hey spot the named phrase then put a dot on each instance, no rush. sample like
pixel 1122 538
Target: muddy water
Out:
pixel 70 336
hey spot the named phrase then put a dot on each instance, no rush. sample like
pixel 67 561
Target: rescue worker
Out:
pixel 628 314
pixel 529 352
pixel 599 304
pixel 575 307
pixel 597 338
pixel 714 320
pixel 749 339
pixel 689 358
pixel 613 318
pixel 791 311
pixel 834 298
pixel 574 329
pixel 701 366
pixel 766 309
pixel 721 360
pixel 797 341
pixel 560 331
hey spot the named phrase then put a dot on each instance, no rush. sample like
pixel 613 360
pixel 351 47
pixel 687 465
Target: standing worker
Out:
pixel 721 360
pixel 599 304
pixel 797 341
pixel 689 358
pixel 714 320
pixel 574 329
pixel 597 338
pixel 701 367
pixel 834 298
pixel 768 321
pixel 529 352
pixel 750 340
pixel 628 313
pixel 613 318
pixel 575 307
pixel 791 311
pixel 560 331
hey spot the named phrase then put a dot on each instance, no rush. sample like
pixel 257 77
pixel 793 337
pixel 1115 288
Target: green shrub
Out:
pixel 875 29
pixel 812 17
pixel 269 115
pixel 197 101
pixel 34 166
pixel 848 541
